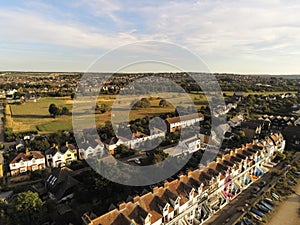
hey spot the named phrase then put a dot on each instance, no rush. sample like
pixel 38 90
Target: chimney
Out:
pixel 27 152
pixel 155 189
pixel 136 199
pixel 166 184
pixel 122 206
pixel 67 144
pixel 219 160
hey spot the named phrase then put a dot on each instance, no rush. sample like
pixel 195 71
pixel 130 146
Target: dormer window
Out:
pixel 166 209
pixel 192 194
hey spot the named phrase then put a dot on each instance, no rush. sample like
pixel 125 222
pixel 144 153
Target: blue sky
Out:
pixel 229 36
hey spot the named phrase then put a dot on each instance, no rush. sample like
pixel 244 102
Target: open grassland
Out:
pixel 35 115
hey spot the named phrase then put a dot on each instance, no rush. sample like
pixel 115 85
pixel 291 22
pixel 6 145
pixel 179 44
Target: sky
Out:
pixel 248 37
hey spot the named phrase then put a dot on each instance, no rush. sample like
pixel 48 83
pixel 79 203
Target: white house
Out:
pixel 179 122
pixel 236 120
pixel 58 156
pixel 30 161
pixel 91 149
pixel 189 145
pixel 138 139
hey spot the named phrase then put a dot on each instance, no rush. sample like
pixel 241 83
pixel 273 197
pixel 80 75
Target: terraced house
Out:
pixel 179 122
pixel 195 197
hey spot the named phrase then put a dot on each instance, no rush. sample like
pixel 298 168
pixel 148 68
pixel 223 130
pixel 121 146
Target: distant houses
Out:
pixel 292 136
pixel 236 121
pixel 252 128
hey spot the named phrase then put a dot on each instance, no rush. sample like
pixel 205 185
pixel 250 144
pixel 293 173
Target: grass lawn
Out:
pixel 35 115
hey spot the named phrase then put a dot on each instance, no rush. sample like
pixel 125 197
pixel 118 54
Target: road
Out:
pixel 230 213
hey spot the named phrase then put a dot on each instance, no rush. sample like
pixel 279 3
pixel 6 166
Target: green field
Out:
pixel 35 115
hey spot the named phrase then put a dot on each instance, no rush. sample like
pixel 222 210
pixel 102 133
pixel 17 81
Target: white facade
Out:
pixel 59 158
pixel 91 152
pixel 202 193
pixel 23 165
pixel 137 142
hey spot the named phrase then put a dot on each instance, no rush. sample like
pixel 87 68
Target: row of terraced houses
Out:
pixel 195 197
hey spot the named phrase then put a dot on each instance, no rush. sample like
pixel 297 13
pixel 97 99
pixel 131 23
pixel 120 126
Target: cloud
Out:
pixel 242 30
pixel 25 26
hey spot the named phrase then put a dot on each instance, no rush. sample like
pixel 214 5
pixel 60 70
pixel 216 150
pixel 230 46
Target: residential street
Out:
pixel 231 212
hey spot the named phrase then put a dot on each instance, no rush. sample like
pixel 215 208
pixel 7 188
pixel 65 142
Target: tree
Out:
pixel 64 111
pixel 56 111
pixel 73 96
pixel 40 144
pixel 53 110
pixel 122 151
pixel 143 103
pixel 27 208
pixel 163 103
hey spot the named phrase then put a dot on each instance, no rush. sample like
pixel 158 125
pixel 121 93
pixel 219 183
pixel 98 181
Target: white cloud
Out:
pixel 26 26
pixel 245 31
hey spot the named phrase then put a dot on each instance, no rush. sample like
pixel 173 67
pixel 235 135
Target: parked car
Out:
pixel 262 183
pixel 257 212
pixel 247 221
pixel 137 161
pixel 262 208
pixel 255 190
pixel 265 204
pixel 269 201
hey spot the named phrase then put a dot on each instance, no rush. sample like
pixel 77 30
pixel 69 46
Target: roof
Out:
pixel 27 157
pixel 252 124
pixel 184 118
pixel 62 149
pixel 153 203
pixel 60 182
